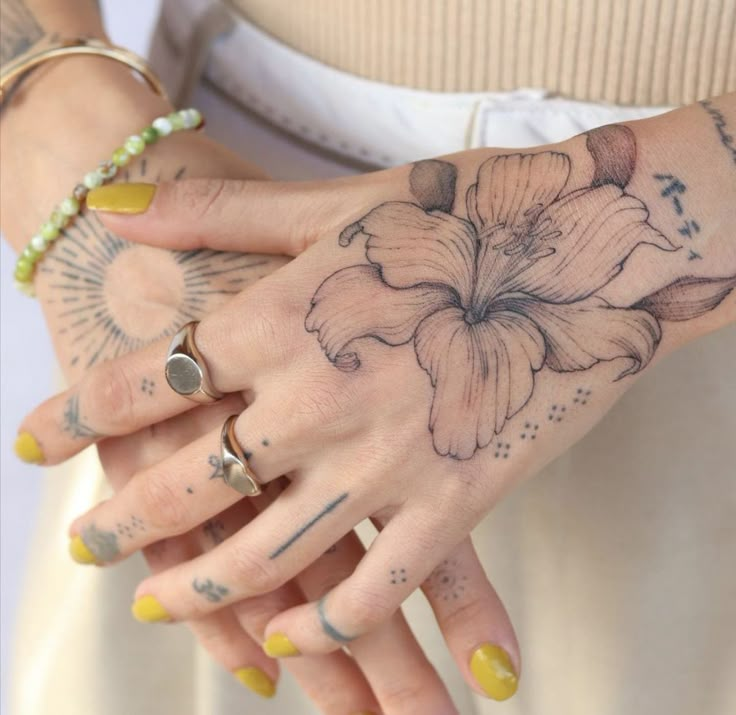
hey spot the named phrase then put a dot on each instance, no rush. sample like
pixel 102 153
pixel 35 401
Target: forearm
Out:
pixel 64 119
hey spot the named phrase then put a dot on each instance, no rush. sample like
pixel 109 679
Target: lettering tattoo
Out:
pixel 72 422
pixel 490 295
pixel 19 29
pixel 724 133
pixel 672 190
pixel 328 509
pixel 103 544
pixel 213 592
pixel 89 273
pixel 327 627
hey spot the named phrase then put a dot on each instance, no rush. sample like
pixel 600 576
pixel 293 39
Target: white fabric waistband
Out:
pixel 369 121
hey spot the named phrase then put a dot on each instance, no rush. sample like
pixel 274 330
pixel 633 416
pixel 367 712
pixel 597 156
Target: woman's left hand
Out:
pixel 462 332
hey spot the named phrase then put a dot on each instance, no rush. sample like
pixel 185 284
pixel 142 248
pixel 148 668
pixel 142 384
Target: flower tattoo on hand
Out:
pixel 490 299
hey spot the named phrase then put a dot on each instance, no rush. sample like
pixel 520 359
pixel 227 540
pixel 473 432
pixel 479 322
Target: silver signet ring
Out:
pixel 236 470
pixel 186 369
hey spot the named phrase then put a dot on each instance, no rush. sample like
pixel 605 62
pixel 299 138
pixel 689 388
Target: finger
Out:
pixel 171 497
pixel 377 588
pixel 333 682
pixel 251 336
pixel 396 667
pixel 475 624
pixel 220 633
pixel 227 214
pixel 273 548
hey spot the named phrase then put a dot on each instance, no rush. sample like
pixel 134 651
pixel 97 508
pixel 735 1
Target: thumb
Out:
pixel 223 214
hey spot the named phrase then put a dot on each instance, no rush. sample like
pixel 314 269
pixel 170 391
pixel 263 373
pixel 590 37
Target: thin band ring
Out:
pixel 186 369
pixel 235 467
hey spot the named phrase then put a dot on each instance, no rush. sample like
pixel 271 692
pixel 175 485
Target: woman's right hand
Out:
pixel 144 292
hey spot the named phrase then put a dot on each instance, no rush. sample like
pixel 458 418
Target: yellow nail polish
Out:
pixel 121 198
pixel 80 553
pixel 494 672
pixel 278 645
pixel 148 610
pixel 27 449
pixel 257 681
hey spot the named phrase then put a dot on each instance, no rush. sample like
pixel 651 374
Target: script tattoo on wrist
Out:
pixel 88 273
pixel 492 285
pixel 725 135
pixel 19 29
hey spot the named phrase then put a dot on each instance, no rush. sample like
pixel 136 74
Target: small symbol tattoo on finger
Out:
pixel 398 576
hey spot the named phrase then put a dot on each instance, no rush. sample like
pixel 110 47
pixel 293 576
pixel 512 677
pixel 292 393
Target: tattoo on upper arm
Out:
pixel 103 544
pixel 19 29
pixel 726 135
pixel 89 271
pixel 328 509
pixel 490 295
pixel 213 592
pixel 72 422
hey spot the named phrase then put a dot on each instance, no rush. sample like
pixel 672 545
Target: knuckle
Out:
pixel 109 399
pixel 202 197
pixel 162 507
pixel 365 609
pixel 259 575
pixel 256 613
pixel 403 694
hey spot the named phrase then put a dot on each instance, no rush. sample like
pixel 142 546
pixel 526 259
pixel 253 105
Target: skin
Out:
pixel 342 416
pixel 337 683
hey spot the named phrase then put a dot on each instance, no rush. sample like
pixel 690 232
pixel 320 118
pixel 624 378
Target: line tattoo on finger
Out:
pixel 328 509
pixel 490 295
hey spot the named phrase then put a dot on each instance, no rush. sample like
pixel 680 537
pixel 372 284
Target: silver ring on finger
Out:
pixel 186 369
pixel 235 467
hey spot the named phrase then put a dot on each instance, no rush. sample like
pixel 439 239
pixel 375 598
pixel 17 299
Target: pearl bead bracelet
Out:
pixel 65 212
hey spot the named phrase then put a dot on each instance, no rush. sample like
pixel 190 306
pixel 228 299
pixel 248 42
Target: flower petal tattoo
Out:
pixel 489 300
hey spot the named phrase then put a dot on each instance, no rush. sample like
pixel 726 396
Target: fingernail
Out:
pixel 278 645
pixel 257 681
pixel 148 610
pixel 121 198
pixel 80 553
pixel 492 669
pixel 27 449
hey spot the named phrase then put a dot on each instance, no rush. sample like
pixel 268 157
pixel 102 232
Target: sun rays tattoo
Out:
pixel 490 298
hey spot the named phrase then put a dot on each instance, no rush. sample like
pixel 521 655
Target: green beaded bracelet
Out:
pixel 65 212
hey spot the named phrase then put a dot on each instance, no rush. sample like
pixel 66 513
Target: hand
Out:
pixel 104 296
pixel 484 312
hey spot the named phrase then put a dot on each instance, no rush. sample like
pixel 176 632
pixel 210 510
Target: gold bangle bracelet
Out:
pixel 79 46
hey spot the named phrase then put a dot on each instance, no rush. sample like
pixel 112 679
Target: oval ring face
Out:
pixel 183 374
pixel 186 369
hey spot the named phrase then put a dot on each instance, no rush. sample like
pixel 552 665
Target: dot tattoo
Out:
pixel 398 576
pixel 147 386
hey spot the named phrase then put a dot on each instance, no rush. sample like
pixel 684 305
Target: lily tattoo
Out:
pixel 490 299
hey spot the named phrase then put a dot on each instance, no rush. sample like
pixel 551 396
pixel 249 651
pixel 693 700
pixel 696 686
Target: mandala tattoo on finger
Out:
pixel 490 295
